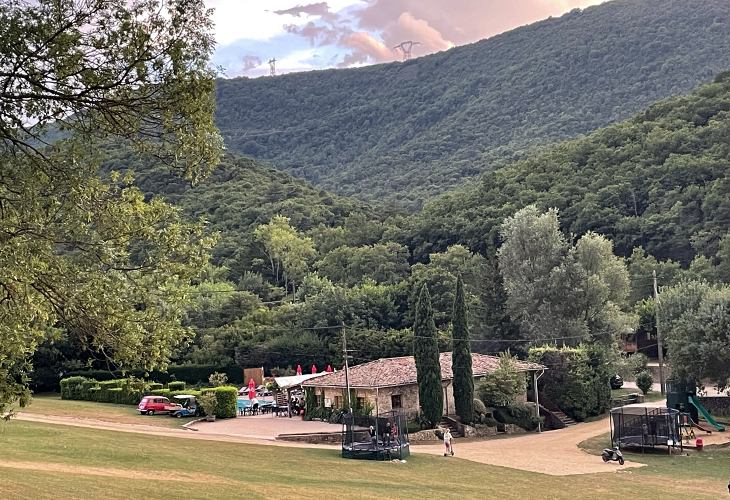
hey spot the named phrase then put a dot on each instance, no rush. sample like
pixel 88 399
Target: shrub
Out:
pixel 578 379
pixel 479 408
pixel 114 395
pixel 413 427
pixel 208 402
pixel 227 401
pixel 176 386
pixel 502 386
pixel 154 386
pixel 490 422
pixel 217 379
pixel 644 381
pixel 71 387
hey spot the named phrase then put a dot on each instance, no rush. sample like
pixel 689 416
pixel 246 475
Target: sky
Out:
pixel 305 35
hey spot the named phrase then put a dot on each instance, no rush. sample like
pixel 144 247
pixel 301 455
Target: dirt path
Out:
pixel 554 453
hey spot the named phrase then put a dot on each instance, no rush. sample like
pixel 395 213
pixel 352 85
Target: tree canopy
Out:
pixel 86 255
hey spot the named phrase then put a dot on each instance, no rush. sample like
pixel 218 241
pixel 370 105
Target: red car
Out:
pixel 156 404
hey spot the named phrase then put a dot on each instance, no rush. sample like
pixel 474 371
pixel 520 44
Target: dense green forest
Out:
pixel 402 133
pixel 590 218
pixel 659 181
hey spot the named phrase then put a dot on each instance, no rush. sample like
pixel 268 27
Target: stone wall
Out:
pixel 719 406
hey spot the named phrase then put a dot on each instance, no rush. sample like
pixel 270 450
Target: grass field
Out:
pixel 650 396
pixel 43 461
pixel 52 404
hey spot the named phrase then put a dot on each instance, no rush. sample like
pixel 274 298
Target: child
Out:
pixel 447 443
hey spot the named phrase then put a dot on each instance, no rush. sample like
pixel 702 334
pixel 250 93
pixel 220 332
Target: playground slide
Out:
pixel 701 427
pixel 694 401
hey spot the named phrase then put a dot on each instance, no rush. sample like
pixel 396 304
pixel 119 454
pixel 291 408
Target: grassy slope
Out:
pixel 226 470
pixel 52 404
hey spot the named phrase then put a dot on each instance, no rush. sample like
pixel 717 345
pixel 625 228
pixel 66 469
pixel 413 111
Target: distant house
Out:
pixel 390 383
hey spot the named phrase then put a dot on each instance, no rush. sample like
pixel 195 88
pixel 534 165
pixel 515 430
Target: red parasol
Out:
pixel 299 369
pixel 251 389
pixel 329 368
pixel 314 369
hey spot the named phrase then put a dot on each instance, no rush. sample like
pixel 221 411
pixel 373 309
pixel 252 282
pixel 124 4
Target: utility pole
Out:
pixel 347 373
pixel 658 335
pixel 272 67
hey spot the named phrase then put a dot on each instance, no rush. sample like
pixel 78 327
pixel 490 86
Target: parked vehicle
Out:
pixel 156 404
pixel 612 455
pixel 189 407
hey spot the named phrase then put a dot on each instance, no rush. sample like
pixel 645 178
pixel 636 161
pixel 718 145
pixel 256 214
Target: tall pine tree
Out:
pixel 461 358
pixel 426 354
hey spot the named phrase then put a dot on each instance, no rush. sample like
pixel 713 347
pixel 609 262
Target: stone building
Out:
pixel 390 383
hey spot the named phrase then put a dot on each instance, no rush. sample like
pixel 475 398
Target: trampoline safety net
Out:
pixel 645 426
pixel 389 443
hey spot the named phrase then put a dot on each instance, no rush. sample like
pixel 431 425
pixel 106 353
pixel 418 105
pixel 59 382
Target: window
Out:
pixel 360 402
pixel 319 400
pixel 395 401
pixel 338 401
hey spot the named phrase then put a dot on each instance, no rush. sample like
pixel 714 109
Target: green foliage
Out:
pixel 518 414
pixel 695 319
pixel 226 401
pixel 577 379
pixel 176 386
pixel 208 402
pixel 558 290
pixel 426 354
pixel 217 379
pixel 479 408
pixel 644 381
pixel 361 132
pixel 310 401
pixel 504 385
pixel 71 387
pixel 154 386
pixel 79 252
pixel 461 358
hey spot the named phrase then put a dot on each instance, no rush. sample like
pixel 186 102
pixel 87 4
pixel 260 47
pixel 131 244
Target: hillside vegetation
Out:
pixel 660 181
pixel 405 132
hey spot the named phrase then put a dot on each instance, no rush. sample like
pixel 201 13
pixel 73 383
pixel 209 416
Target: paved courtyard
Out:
pixel 264 426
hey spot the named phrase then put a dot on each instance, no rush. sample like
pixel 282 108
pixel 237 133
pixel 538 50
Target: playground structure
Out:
pixel 357 443
pixel 682 396
pixel 645 426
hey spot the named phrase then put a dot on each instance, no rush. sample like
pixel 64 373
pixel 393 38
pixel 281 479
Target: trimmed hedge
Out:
pixel 176 386
pixel 227 401
pixel 190 374
pixel 121 391
pixel 155 386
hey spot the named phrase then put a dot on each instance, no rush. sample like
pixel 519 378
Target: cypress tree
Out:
pixel 461 358
pixel 426 354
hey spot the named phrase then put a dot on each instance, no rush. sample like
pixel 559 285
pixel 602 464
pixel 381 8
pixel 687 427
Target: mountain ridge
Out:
pixel 405 132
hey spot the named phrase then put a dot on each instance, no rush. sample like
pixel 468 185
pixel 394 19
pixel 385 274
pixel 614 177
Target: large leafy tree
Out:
pixel 461 358
pixel 426 354
pixel 92 256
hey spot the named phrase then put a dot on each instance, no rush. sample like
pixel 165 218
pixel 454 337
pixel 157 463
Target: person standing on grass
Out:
pixel 447 443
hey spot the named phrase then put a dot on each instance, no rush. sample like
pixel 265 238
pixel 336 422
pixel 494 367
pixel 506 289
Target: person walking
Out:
pixel 447 443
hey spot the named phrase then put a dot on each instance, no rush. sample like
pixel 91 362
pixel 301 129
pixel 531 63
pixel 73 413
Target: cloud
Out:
pixel 320 9
pixel 250 62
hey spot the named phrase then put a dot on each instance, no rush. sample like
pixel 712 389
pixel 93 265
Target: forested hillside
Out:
pixel 405 132
pixel 240 195
pixel 660 180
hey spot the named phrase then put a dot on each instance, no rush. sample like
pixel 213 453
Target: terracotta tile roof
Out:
pixel 389 372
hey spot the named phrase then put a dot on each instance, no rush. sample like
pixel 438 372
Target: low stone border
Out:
pixel 191 423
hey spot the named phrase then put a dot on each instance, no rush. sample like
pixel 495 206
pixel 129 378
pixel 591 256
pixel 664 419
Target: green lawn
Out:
pixel 650 396
pixel 52 404
pixel 87 463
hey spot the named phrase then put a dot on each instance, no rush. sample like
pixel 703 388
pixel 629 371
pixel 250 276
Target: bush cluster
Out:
pixel 577 380
pixel 131 391
pixel 190 374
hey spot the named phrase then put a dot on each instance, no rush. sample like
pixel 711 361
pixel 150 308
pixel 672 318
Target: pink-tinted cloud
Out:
pixel 436 24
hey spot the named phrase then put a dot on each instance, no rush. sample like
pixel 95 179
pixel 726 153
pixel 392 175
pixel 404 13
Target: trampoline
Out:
pixel 357 443
pixel 645 426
